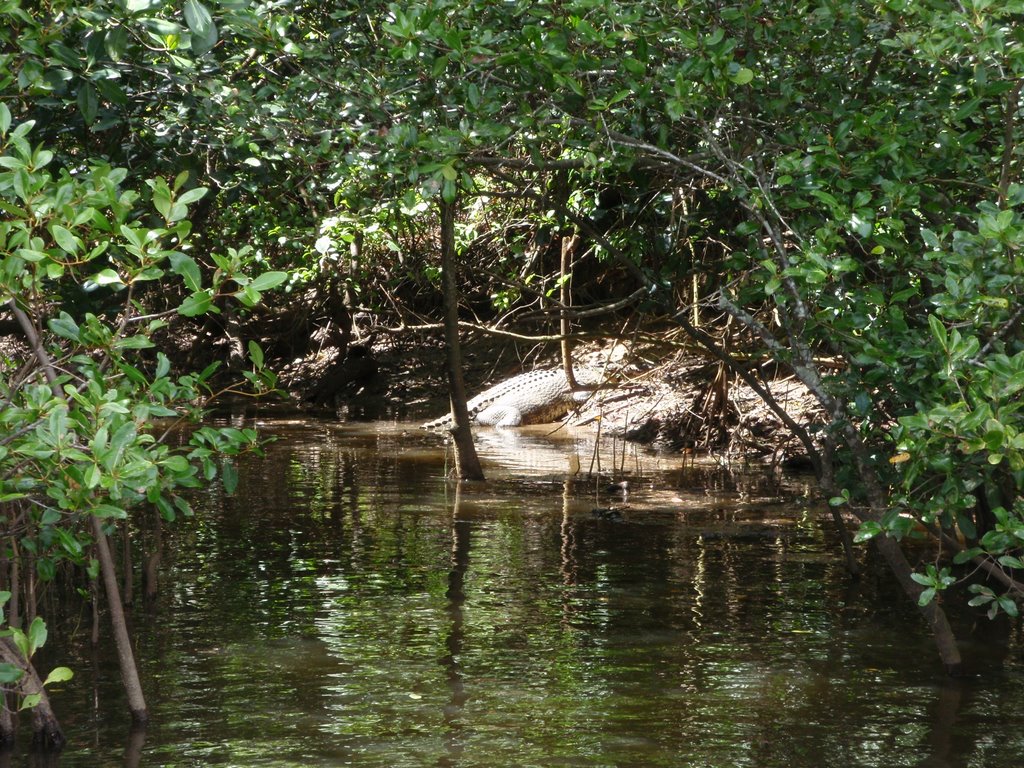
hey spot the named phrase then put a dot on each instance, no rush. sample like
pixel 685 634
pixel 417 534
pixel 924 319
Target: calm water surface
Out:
pixel 350 607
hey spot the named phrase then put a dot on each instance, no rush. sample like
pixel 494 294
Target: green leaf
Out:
pixel 163 366
pixel 5 119
pixel 248 296
pixel 30 701
pixel 192 195
pixel 743 76
pixel 65 239
pixel 197 17
pixel 229 476
pixel 10 674
pixel 184 265
pixel 449 191
pixel 107 277
pixel 968 554
pixel 715 37
pixel 136 341
pixel 115 42
pixel 161 27
pixel 926 596
pixel 920 578
pixel 939 331
pixel 88 103
pixel 109 510
pixel 1008 605
pixel 868 530
pixel 268 280
pixel 200 23
pixel 65 326
pixel 31 255
pixel 58 675
pixel 255 354
pixel 197 304
pixel 21 641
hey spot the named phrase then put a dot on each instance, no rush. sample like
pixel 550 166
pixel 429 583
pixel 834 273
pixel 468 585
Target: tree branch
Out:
pixel 1009 115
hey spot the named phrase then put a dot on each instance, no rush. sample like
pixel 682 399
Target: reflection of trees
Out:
pixel 456 599
pixel 337 579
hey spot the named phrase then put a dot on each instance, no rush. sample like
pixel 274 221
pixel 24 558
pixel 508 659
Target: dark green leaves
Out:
pixel 204 31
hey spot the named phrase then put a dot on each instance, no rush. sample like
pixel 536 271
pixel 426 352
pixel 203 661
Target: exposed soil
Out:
pixel 667 396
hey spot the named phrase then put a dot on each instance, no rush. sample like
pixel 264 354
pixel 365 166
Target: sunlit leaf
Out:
pixel 58 675
pixel 268 280
pixel 196 304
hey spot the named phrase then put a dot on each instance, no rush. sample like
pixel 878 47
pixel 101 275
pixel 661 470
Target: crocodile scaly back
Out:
pixel 537 397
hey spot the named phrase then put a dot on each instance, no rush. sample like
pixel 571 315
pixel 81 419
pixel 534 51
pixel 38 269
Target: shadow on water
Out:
pixel 587 606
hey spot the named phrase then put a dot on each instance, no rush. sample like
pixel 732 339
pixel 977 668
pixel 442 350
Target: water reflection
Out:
pixel 352 606
pixel 455 640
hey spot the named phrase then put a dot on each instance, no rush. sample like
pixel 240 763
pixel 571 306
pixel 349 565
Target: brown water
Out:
pixel 350 607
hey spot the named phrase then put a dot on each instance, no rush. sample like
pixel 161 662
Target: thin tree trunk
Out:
pixel 14 606
pixel 355 260
pixel 94 593
pixel 30 592
pixel 1009 115
pixel 467 463
pixel 568 248
pixel 129 672
pixel 6 721
pixel 125 656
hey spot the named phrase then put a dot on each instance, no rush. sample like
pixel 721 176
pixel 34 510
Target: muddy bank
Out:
pixel 667 396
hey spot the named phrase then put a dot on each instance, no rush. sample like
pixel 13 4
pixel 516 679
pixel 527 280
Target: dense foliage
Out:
pixel 838 177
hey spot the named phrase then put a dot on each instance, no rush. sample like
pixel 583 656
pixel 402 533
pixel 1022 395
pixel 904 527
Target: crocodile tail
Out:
pixel 444 422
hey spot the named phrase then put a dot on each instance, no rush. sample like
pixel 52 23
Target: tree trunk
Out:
pixel 568 248
pixel 467 463
pixel 14 605
pixel 6 722
pixel 129 673
pixel 351 300
pixel 125 656
pixel 30 591
pixel 233 333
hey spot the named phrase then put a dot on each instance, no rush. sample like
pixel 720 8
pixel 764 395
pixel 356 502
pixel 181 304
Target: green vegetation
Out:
pixel 839 179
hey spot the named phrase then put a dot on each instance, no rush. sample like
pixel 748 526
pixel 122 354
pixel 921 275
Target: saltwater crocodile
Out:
pixel 537 397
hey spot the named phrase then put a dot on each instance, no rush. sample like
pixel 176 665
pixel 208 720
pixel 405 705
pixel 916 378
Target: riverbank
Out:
pixel 668 396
